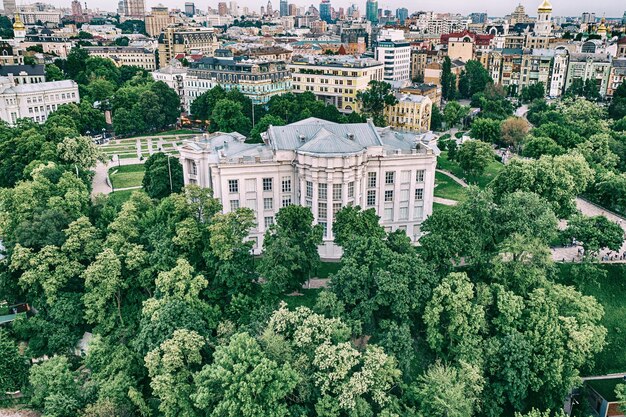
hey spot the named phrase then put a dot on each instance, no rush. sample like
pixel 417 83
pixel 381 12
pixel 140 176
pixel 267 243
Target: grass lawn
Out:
pixel 126 175
pixel 307 299
pixel 128 155
pixel 446 187
pixel 326 269
pixel 168 133
pixel 611 293
pixel 490 172
pixel 120 197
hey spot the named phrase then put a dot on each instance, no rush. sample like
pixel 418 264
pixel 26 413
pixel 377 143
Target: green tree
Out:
pixel 203 105
pixel 375 100
pixel 474 156
pixel 536 146
pixel 171 367
pixel 454 113
pixel 533 92
pixel 352 222
pixel 263 124
pixel 290 250
pixel 455 320
pixel 595 233
pixel 448 80
pixel 436 118
pixel 487 130
pixel 227 116
pixel 55 389
pixel 13 366
pixel 164 175
pixel 446 390
pixel 244 381
pixel 53 73
pixel 473 79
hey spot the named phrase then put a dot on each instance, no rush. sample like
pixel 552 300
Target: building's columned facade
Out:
pixel 321 165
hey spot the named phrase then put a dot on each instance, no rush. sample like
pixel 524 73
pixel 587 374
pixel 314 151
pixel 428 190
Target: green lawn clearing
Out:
pixel 446 187
pixel 307 299
pixel 126 175
pixel 482 181
pixel 611 293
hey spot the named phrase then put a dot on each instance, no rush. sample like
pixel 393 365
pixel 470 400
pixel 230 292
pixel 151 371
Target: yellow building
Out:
pixel 335 79
pixel 410 113
pixel 174 41
pixel 158 19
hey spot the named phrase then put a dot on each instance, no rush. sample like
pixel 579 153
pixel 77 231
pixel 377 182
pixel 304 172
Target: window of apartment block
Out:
pixel 405 176
pixel 269 220
pixel 234 205
pixel 371 180
pixel 267 184
pixel 404 213
pixel 324 227
pixel 309 189
pixel 390 177
pixel 322 191
pixel 404 195
pixel 388 195
pixel 268 203
pixel 251 204
pixel 419 194
pixel 371 198
pixel 233 186
pixel 322 210
pixel 286 200
pixel 194 168
pixel 388 214
pixel 286 185
pixel 336 208
pixel 337 189
pixel 419 175
pixel 351 189
pixel 250 184
pixel 418 212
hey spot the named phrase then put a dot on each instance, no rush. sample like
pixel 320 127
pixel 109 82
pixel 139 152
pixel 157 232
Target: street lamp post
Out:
pixel 169 171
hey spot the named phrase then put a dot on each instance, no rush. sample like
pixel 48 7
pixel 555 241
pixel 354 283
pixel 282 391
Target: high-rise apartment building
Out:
pixel 270 10
pixel 478 18
pixel 190 9
pixel 293 10
pixel 371 11
pixel 401 14
pixel 284 8
pixel 589 17
pixel 158 19
pixel 9 7
pixel 135 9
pixel 325 13
pixel 395 53
pixel 233 8
pixel 222 8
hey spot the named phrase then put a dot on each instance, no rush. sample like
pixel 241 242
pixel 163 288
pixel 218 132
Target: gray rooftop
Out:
pixel 17 69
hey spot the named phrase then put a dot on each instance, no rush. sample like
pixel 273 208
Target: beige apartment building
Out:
pixel 185 40
pixel 335 79
pixel 411 113
pixel 158 19
pixel 126 56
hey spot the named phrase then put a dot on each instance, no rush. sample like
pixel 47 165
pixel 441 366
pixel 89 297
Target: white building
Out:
pixel 395 53
pixel 174 76
pixel 321 165
pixel 34 101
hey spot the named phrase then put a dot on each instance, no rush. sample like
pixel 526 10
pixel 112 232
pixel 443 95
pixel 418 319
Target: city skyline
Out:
pixel 494 8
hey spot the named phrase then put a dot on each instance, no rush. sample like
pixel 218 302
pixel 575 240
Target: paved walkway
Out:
pixel 454 177
pixel 100 184
pixel 445 201
pixel 573 253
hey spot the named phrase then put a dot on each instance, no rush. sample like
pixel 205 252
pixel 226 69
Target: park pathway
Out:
pixel 571 253
pixel 100 184
pixel 445 201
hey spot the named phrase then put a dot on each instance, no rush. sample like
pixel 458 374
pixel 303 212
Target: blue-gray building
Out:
pixel 325 13
pixel 401 14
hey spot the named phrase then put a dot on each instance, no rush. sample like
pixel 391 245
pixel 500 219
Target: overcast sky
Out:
pixel 609 8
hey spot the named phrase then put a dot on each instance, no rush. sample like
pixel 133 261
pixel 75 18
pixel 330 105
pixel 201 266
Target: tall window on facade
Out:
pixel 309 189
pixel 268 203
pixel 419 175
pixel 234 205
pixel 233 186
pixel 390 177
pixel 322 210
pixel 286 200
pixel 371 198
pixel 286 185
pixel 351 189
pixel 269 220
pixel 194 168
pixel 322 191
pixel 419 194
pixel 267 184
pixel 371 180
pixel 337 190
pixel 388 195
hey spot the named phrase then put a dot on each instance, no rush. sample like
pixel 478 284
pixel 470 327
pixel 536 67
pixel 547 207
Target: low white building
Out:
pixel 321 165
pixel 174 76
pixel 34 101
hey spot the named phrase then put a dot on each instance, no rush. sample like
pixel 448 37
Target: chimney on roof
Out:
pixel 351 136
pixel 302 138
